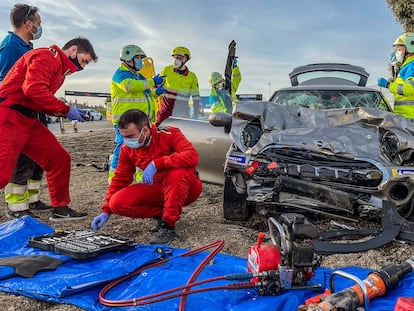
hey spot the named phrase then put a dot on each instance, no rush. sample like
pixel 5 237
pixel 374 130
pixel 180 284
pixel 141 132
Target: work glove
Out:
pixel 383 82
pixel 74 114
pixel 158 80
pixel 160 90
pixel 82 112
pixel 99 221
pixel 149 172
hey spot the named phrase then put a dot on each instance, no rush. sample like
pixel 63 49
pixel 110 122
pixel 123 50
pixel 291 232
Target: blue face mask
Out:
pixel 38 33
pixel 134 142
pixel 138 64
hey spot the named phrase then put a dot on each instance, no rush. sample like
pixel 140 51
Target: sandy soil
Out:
pixel 201 223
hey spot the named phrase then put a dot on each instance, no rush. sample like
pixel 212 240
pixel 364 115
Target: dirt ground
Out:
pixel 201 222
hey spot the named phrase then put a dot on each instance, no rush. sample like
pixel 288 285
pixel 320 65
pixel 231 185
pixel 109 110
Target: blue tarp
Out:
pixel 79 282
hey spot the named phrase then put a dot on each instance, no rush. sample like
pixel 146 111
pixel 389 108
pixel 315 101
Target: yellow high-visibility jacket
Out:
pixel 403 89
pixel 131 90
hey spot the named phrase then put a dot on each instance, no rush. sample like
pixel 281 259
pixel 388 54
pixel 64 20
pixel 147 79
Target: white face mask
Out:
pixel 177 63
pixel 220 85
pixel 399 56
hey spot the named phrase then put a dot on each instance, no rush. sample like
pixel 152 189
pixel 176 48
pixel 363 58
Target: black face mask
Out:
pixel 76 62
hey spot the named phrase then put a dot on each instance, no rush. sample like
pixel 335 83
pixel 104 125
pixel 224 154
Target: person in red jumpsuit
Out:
pixel 169 182
pixel 28 89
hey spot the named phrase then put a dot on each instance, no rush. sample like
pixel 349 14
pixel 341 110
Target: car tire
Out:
pixel 235 206
pixel 91 118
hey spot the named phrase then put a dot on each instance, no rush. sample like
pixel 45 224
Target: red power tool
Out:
pixel 377 284
pixel 290 260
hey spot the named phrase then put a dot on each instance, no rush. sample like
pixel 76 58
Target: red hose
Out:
pixel 186 289
pixel 218 247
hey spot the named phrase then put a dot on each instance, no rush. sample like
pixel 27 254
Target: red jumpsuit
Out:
pixel 31 85
pixel 176 183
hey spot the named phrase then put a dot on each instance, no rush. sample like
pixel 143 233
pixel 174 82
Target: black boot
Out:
pixel 39 206
pixel 164 235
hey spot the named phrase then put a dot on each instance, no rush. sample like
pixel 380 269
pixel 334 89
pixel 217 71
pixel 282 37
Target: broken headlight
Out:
pixel 251 134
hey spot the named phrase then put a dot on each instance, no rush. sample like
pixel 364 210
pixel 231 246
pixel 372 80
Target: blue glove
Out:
pixel 160 90
pixel 383 82
pixel 158 80
pixel 99 221
pixel 82 112
pixel 235 62
pixel 149 172
pixel 74 114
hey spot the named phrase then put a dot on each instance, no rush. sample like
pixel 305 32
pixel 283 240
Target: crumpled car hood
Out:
pixel 349 133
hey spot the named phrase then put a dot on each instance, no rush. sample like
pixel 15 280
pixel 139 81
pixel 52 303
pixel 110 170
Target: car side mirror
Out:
pixel 220 119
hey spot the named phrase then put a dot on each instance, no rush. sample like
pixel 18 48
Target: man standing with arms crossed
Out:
pixel 22 194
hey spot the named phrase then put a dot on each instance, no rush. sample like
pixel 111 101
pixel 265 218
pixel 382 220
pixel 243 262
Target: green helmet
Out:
pixel 128 52
pixel 215 78
pixel 406 39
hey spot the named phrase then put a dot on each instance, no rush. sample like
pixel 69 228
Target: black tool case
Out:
pixel 81 244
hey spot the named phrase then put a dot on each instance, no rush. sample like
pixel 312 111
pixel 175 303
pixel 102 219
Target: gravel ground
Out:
pixel 201 223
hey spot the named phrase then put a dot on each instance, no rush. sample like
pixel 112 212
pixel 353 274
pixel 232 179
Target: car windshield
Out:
pixel 324 99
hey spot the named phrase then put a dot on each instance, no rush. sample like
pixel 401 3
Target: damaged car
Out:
pixel 342 162
pixel 327 145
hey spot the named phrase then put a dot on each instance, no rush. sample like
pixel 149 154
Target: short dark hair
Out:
pixel 139 118
pixel 21 13
pixel 84 46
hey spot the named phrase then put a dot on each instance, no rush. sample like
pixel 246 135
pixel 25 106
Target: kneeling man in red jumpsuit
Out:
pixel 169 180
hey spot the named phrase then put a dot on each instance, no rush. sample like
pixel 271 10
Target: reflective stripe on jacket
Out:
pixel 180 86
pixel 403 89
pixel 131 90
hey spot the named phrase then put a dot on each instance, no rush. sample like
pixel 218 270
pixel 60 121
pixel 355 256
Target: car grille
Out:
pixel 318 167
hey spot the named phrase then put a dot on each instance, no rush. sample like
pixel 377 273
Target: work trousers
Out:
pixel 26 169
pixel 24 187
pixel 22 134
pixel 179 187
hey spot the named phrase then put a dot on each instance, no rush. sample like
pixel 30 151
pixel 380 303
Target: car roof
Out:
pixel 329 74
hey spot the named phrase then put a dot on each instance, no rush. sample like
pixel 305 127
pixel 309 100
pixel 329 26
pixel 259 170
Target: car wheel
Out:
pixel 91 118
pixel 234 204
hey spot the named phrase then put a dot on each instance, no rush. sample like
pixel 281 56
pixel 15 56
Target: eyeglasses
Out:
pixel 29 12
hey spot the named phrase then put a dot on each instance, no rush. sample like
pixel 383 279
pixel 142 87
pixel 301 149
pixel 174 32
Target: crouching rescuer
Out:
pixel 169 180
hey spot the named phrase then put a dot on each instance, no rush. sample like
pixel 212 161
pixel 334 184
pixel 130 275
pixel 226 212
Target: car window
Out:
pixel 331 99
pixel 309 77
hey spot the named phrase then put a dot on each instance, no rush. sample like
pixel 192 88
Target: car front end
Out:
pixel 340 162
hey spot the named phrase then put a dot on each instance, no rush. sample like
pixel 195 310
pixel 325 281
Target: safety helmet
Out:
pixel 406 39
pixel 128 52
pixel 180 50
pixel 215 78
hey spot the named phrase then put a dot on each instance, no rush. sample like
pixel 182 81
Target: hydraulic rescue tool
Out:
pixel 288 263
pixel 290 260
pixel 377 284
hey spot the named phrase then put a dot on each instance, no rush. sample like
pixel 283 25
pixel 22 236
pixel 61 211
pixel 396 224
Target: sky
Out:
pixel 272 36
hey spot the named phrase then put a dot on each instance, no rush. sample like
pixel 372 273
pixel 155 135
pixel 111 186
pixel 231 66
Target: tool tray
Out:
pixel 81 244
